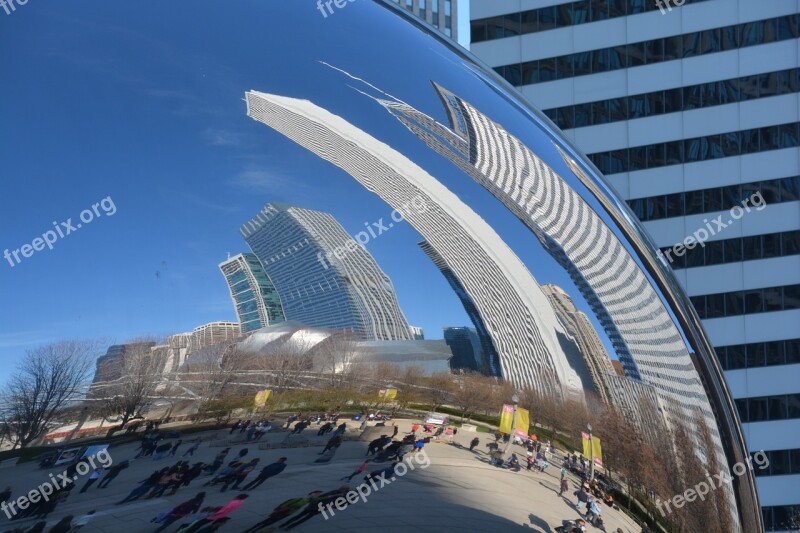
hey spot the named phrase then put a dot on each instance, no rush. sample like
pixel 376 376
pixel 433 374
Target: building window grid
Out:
pixel 767 408
pixel 714 199
pixel 656 103
pixel 748 301
pixel 780 517
pixel 560 16
pixel 652 51
pixel 698 149
pixel 738 249
pixel 759 354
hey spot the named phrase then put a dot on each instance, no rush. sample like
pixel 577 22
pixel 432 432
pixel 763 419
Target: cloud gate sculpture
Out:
pixel 556 276
pixel 413 237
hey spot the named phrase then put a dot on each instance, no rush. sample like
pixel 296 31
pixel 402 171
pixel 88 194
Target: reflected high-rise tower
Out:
pixel 324 278
pixel 654 350
pixel 257 302
pixel 533 348
pixel 580 328
pixel 490 362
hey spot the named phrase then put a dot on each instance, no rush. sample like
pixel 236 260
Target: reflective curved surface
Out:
pixel 390 185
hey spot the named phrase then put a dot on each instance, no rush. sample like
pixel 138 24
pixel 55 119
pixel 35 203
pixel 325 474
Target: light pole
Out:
pixel 591 452
pixel 515 400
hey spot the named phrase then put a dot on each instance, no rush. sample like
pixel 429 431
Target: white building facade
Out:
pixel 690 112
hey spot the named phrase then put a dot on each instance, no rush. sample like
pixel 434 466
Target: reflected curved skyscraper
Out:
pixel 257 302
pixel 324 278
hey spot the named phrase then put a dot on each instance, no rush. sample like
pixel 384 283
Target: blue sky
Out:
pixel 145 105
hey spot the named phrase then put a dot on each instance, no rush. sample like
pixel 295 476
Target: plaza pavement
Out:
pixel 458 491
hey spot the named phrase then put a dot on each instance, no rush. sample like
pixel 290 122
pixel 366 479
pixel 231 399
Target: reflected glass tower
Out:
pixel 490 360
pixel 256 300
pixel 325 279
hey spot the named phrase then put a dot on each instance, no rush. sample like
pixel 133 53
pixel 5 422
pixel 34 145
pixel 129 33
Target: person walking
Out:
pixel 144 486
pixel 474 442
pixel 167 479
pixel 180 511
pixel 174 448
pixel 93 477
pixel 333 443
pixel 161 450
pixel 217 462
pixel 191 474
pixel 283 510
pixel 359 469
pixel 112 473
pixel 314 507
pixel 192 449
pixel 267 472
pixel 564 486
pixel 239 475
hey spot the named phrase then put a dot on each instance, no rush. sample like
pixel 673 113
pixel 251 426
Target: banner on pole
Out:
pixel 506 417
pixel 523 423
pixel 261 397
pixel 593 451
pixel 388 394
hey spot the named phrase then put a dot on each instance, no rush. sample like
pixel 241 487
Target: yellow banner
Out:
pixel 261 397
pixel 597 450
pixel 389 394
pixel 593 451
pixel 523 423
pixel 506 418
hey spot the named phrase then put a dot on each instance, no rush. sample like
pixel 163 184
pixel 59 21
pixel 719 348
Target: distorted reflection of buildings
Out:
pixel 578 326
pixel 168 357
pixel 613 283
pixel 466 347
pixel 417 333
pixel 254 296
pixel 489 363
pixel 109 366
pixel 295 339
pixel 643 333
pixel 532 346
pixel 324 278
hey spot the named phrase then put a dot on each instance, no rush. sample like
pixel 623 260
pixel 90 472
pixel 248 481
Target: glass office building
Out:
pixel 255 298
pixel 324 277
pixel 692 114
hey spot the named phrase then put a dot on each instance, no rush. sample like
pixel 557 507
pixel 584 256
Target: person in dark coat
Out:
pixel 113 472
pixel 267 472
pixel 182 510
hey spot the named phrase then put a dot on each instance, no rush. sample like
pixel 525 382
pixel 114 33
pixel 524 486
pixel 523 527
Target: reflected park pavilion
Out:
pixel 490 139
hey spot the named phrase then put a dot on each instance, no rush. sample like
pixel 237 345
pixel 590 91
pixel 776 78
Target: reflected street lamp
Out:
pixel 591 452
pixel 515 401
